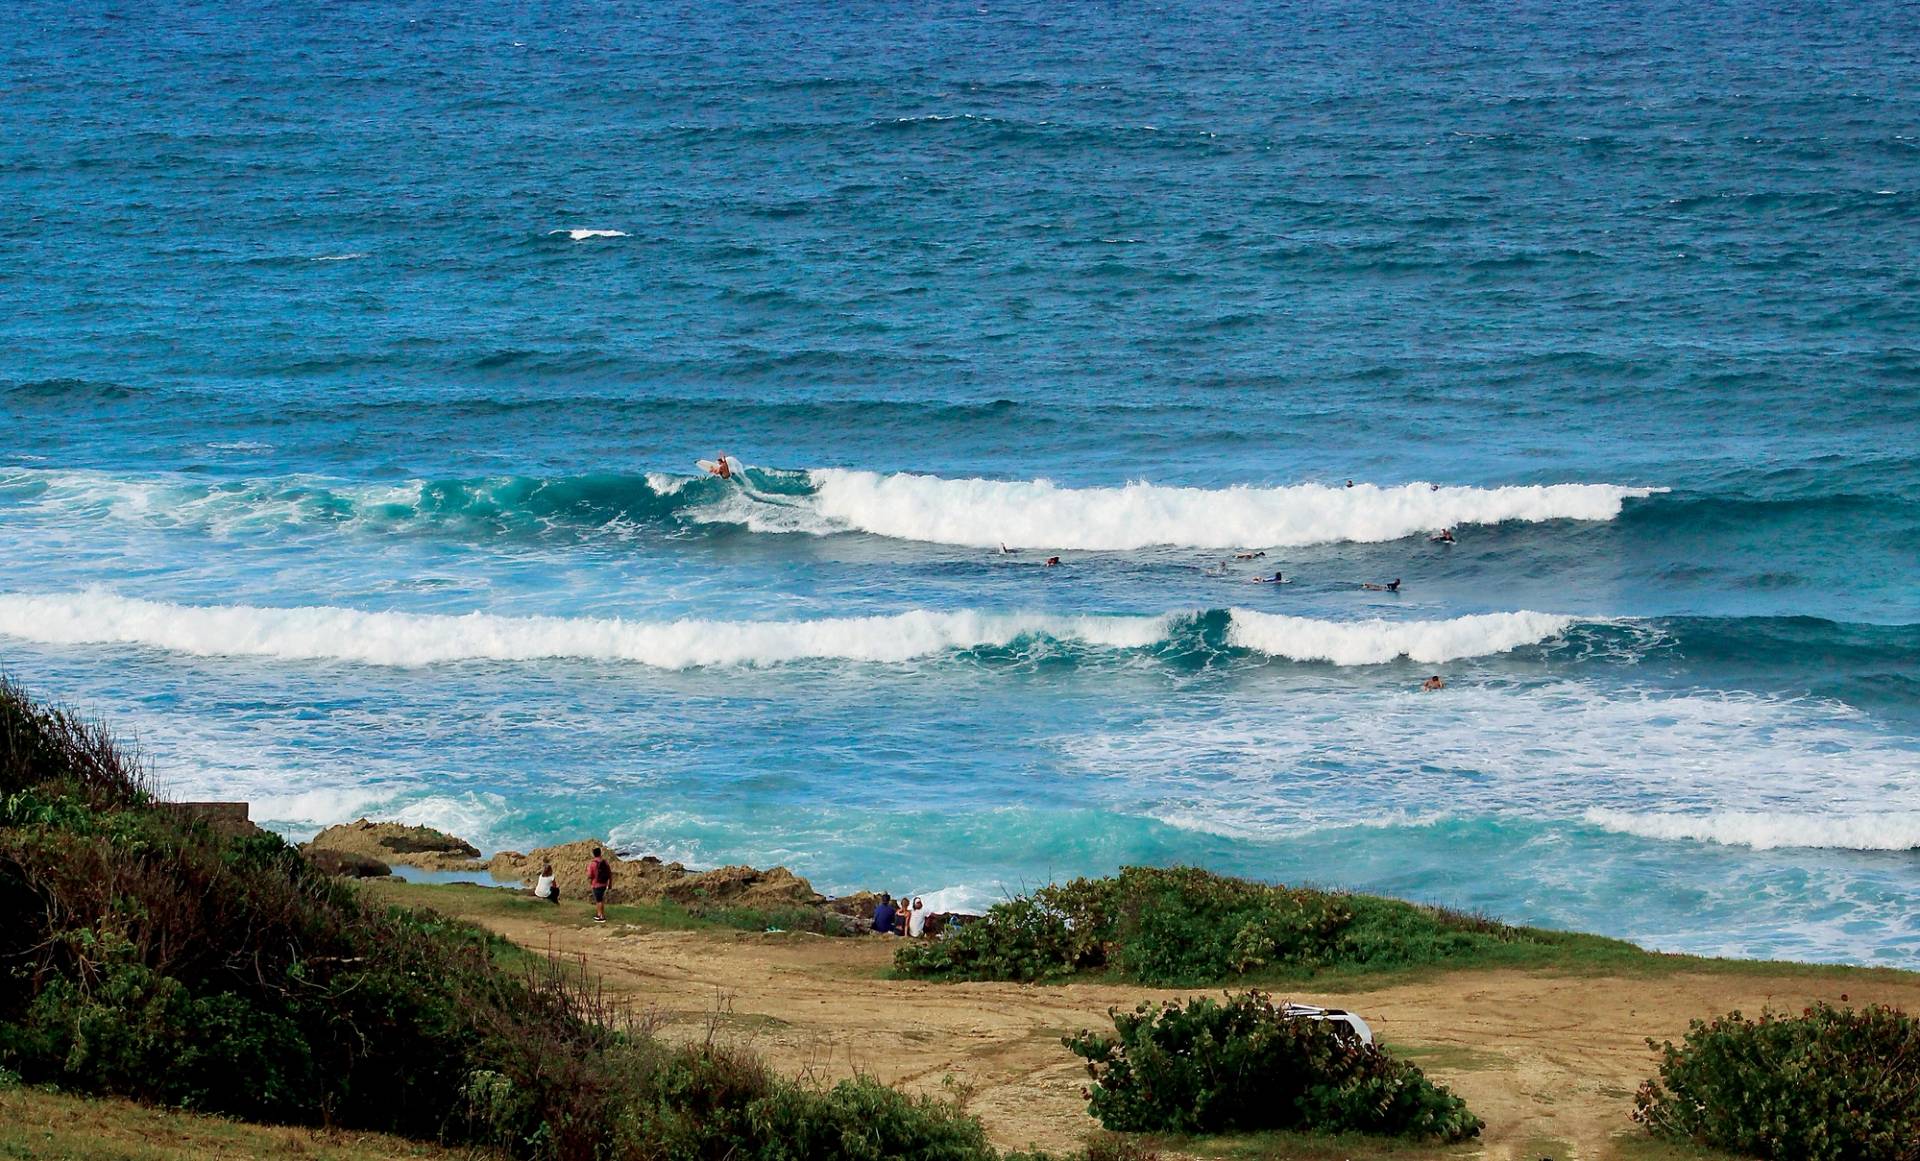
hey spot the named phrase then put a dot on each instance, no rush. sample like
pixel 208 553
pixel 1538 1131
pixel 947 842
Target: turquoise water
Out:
pixel 353 366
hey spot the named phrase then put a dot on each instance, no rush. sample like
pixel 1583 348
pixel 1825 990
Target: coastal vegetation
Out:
pixel 145 954
pixel 1187 927
pixel 1243 1064
pixel 1830 1084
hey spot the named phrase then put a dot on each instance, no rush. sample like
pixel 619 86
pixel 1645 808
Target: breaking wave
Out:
pixel 984 513
pixel 327 633
pixel 1376 641
pixel 1035 514
pixel 1894 830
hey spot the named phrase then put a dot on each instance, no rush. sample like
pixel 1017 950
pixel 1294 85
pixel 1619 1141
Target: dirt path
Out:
pixel 1551 1062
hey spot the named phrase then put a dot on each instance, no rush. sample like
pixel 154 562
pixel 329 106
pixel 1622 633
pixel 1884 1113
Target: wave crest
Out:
pixel 1376 641
pixel 1039 513
pixel 1035 514
pixel 1895 830
pixel 327 633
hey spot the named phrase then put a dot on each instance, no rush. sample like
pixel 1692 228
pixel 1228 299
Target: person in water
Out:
pixel 1392 586
pixel 1051 562
pixel 1444 536
pixel 1433 683
pixel 1249 555
pixel 1275 579
pixel 721 468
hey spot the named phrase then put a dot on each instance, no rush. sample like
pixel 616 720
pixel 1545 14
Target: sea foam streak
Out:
pixel 1039 513
pixel 326 633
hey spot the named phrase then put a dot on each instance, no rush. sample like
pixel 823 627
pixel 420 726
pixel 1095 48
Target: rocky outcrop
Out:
pixel 391 842
pixel 648 879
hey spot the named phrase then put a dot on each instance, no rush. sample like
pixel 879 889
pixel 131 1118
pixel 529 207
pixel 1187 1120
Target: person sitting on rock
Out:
pixel 917 918
pixel 883 913
pixel 546 886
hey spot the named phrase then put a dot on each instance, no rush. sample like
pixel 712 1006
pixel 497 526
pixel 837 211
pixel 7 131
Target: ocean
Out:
pixel 354 361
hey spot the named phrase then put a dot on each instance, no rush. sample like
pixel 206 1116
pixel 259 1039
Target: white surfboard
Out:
pixel 712 468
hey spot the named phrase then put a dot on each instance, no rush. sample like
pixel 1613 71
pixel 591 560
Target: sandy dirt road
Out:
pixel 1550 1061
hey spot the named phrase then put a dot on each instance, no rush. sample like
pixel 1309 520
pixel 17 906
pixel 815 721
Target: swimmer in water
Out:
pixel 1444 536
pixel 1004 550
pixel 1349 483
pixel 1432 683
pixel 1051 562
pixel 1275 579
pixel 1392 586
pixel 1248 555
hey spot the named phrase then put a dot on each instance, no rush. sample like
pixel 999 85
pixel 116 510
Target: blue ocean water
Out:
pixel 354 362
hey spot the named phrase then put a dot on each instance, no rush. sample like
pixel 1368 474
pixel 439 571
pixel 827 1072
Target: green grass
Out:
pixel 475 902
pixel 1625 1146
pixel 1185 927
pixel 48 1126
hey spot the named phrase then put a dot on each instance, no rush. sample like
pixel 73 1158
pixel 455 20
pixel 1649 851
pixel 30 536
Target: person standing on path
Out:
pixel 599 878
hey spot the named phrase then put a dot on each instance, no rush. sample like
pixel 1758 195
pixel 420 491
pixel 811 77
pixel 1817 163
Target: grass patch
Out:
pixel 1311 1147
pixel 477 903
pixel 1187 927
pixel 48 1126
pixel 1454 1058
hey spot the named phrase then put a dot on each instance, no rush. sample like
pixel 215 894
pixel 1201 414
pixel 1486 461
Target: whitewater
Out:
pixel 824 501
pixel 411 639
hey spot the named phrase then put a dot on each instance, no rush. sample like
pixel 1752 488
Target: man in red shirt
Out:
pixel 599 878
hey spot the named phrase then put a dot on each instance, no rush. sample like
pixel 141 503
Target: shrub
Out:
pixel 1182 926
pixel 1242 1066
pixel 1829 1084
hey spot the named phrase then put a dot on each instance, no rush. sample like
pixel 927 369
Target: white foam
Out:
pixel 1895 830
pixel 1310 755
pixel 326 633
pixel 583 235
pixel 338 257
pixel 1376 641
pixel 1042 514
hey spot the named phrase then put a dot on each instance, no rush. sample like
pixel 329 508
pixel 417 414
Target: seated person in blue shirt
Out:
pixel 883 915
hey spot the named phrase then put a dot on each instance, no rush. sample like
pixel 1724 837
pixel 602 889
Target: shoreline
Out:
pixel 437 858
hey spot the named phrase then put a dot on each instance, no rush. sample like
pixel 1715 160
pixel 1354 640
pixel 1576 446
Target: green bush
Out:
pixel 1182 926
pixel 1243 1066
pixel 1831 1084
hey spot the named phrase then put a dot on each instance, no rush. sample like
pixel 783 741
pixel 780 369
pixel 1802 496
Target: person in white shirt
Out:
pixel 545 887
pixel 917 918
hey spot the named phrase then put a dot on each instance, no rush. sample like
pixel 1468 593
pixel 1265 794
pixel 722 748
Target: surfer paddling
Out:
pixel 1392 586
pixel 1444 536
pixel 1275 579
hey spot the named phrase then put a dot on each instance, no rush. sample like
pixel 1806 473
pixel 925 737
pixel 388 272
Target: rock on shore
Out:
pixel 648 879
pixel 391 842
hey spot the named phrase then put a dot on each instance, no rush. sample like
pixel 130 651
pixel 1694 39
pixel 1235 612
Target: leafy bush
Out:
pixel 1182 926
pixel 1241 1066
pixel 1827 1085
